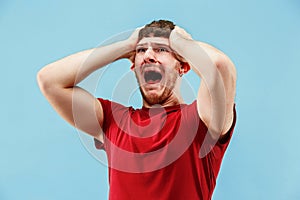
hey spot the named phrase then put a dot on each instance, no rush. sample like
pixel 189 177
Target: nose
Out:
pixel 149 56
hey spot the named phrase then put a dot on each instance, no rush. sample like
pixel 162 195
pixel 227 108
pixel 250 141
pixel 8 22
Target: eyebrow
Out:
pixel 153 43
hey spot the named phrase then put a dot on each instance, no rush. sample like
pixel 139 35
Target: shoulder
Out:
pixel 111 105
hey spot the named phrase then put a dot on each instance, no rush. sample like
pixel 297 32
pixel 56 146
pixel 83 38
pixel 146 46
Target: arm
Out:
pixel 58 81
pixel 216 93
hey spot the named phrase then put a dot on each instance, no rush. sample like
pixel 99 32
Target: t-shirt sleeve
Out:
pixel 227 136
pixel 107 110
pixel 211 151
pixel 217 153
pixel 206 142
pixel 193 114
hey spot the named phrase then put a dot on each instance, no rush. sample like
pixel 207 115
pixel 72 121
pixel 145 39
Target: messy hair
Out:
pixel 160 28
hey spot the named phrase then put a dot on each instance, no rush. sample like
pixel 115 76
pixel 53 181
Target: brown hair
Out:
pixel 160 28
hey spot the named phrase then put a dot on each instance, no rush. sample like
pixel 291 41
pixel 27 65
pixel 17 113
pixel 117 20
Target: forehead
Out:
pixel 154 40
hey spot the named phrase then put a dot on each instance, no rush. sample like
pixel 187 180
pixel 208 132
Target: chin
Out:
pixel 156 98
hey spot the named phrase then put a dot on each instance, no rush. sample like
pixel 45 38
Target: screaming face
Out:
pixel 156 69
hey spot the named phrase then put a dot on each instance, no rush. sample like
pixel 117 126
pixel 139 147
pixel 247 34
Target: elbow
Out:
pixel 226 68
pixel 43 80
pixel 40 77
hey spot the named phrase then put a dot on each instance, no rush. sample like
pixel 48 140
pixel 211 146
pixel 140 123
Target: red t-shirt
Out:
pixel 155 153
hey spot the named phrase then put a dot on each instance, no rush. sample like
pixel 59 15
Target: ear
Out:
pixel 132 57
pixel 185 67
pixel 132 67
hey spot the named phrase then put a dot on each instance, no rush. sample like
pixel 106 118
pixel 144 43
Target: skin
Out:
pixel 155 54
pixel 216 93
pixel 58 81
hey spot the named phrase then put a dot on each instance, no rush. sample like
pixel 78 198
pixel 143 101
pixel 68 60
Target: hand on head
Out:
pixel 180 32
pixel 131 42
pixel 176 33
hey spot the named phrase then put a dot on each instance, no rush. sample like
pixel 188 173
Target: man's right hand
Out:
pixel 132 42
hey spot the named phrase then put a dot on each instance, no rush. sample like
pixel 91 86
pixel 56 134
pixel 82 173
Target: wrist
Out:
pixel 178 43
pixel 126 49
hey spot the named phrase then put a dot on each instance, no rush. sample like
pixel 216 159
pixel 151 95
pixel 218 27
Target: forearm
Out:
pixel 216 93
pixel 69 71
pixel 199 56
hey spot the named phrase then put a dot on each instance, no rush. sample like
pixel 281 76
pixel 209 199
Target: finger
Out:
pixel 183 33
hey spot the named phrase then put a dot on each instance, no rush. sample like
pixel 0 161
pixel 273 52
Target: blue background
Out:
pixel 42 157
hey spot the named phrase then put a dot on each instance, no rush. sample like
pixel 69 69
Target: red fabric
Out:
pixel 155 154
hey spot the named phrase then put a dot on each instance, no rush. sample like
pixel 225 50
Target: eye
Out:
pixel 141 50
pixel 162 49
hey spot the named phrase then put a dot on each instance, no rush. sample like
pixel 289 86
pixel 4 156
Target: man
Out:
pixel 167 149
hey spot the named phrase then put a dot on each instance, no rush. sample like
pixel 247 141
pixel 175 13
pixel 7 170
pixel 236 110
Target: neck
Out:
pixel 170 101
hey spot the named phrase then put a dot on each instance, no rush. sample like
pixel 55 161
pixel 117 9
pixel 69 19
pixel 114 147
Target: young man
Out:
pixel 167 149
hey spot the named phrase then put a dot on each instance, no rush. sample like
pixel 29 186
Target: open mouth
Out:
pixel 152 77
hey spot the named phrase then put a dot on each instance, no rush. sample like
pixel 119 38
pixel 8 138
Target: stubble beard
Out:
pixel 155 98
pixel 160 99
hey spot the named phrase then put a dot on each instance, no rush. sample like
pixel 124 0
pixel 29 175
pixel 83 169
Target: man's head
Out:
pixel 156 65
